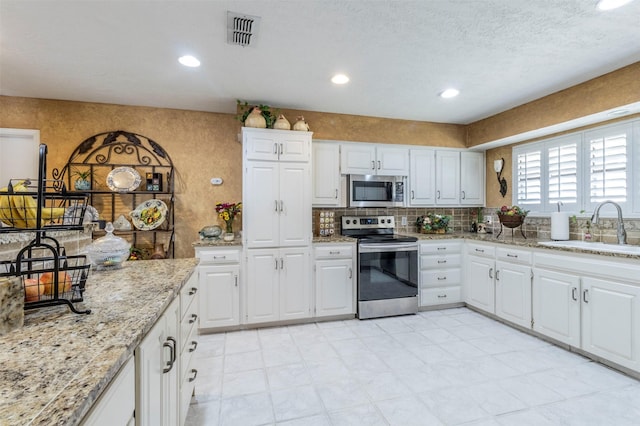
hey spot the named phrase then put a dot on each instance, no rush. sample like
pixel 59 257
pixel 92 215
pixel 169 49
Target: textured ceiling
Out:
pixel 399 54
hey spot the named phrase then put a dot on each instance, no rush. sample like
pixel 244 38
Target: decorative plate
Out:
pixel 123 179
pixel 149 215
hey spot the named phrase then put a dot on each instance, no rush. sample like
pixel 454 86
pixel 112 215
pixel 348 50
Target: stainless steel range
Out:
pixel 387 266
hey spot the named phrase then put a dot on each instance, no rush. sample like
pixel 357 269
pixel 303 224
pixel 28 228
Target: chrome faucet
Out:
pixel 621 233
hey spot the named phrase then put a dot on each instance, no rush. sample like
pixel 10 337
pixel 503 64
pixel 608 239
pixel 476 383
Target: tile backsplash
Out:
pixel 461 219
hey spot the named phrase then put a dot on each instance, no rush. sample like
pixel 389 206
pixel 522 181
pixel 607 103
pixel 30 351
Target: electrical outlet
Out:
pixel 488 220
pixel 403 221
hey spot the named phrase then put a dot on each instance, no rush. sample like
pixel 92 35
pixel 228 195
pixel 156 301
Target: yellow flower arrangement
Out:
pixel 227 212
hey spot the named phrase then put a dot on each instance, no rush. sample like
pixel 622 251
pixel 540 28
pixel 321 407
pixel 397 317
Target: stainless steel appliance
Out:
pixel 376 191
pixel 387 267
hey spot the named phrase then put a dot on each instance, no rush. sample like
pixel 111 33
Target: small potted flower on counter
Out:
pixel 432 223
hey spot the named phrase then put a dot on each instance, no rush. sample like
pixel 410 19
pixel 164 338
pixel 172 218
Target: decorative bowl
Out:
pixel 511 221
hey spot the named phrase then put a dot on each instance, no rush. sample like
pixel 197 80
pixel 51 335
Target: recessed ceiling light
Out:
pixel 611 4
pixel 339 79
pixel 449 93
pixel 189 61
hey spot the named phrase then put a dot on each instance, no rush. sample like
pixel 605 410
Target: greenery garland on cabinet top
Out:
pixel 270 115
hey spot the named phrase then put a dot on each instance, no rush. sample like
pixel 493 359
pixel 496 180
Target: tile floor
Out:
pixel 444 367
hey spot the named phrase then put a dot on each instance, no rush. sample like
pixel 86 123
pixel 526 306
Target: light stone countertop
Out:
pixel 54 368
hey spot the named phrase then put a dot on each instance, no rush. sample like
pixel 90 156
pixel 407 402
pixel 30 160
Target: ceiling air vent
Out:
pixel 242 29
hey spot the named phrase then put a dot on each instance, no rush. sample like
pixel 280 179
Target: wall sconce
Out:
pixel 498 165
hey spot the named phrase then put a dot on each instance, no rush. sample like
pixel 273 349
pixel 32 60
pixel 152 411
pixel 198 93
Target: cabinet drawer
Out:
pixel 218 256
pixel 514 255
pixel 188 293
pixel 440 277
pixel 481 250
pixel 440 296
pixel 333 252
pixel 440 261
pixel 188 323
pixel 444 247
pixel 188 353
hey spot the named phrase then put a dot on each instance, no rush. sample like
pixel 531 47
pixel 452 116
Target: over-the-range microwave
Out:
pixel 376 191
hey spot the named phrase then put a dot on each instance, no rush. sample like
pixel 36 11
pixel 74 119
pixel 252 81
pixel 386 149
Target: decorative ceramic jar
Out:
pixel 256 119
pixel 211 232
pixel 301 124
pixel 282 123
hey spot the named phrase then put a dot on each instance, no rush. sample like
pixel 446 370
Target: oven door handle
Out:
pixel 376 248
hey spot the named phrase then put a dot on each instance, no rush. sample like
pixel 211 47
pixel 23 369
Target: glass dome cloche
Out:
pixel 108 252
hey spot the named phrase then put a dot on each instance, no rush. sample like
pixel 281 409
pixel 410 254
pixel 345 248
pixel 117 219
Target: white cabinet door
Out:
pixel 295 283
pixel 513 293
pixel 294 213
pixel 334 281
pixel 263 291
pixel 480 283
pixel 117 404
pixel 294 146
pixel 326 175
pixel 259 145
pixel 472 178
pixel 157 371
pixel 274 145
pixel 261 204
pixel 219 295
pixel 358 159
pixel 447 177
pixel 422 175
pixel 556 305
pixel 610 325
pixel 392 161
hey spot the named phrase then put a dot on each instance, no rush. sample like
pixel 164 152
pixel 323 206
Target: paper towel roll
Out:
pixel 559 226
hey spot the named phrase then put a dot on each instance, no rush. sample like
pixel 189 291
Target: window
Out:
pixel 579 170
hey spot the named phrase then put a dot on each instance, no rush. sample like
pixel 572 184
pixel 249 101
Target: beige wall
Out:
pixel 202 145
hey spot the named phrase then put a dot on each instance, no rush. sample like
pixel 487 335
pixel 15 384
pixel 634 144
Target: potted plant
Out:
pixel 83 181
pixel 433 223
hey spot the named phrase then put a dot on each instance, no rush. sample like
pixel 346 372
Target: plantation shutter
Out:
pixel 528 177
pixel 562 166
pixel 608 167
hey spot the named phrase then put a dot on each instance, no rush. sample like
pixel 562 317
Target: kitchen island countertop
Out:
pixel 54 368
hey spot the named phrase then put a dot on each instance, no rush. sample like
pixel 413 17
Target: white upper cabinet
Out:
pixel 369 159
pixel 472 178
pixel 327 188
pixel 422 177
pixel 448 178
pixel 275 145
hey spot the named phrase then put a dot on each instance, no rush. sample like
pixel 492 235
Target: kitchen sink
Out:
pixel 602 247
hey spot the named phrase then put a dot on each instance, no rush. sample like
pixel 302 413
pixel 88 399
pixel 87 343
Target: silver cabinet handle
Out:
pixel 441 248
pixel 195 374
pixel 193 318
pixel 194 345
pixel 491 273
pixel 276 201
pixel 442 296
pixel 497 274
pixel 236 278
pixel 442 278
pixel 479 250
pixel 281 206
pixel 442 261
pixel 281 150
pixel 334 252
pixel 275 148
pixel 413 194
pixel 219 257
pixel 336 196
pixel 515 256
pixel 281 263
pixel 379 165
pixel 574 296
pixel 172 345
pixel 276 263
pixel 373 165
pixel 193 291
pixel 438 194
pixel 350 273
pixel 584 295
pixel 464 195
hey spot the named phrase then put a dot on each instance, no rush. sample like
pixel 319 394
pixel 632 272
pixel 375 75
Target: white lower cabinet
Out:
pixel 165 376
pixel 334 279
pixel 480 276
pixel 118 403
pixel 610 321
pixel 278 284
pixel 440 279
pixel 556 305
pixel 513 293
pixel 157 372
pixel 219 276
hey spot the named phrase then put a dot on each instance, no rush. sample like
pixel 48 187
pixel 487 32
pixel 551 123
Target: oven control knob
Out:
pixel 348 221
pixel 381 220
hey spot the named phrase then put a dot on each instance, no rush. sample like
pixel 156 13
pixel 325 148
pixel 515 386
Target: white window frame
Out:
pixel 631 208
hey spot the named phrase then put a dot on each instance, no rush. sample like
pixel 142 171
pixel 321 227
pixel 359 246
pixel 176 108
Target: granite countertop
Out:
pixel 54 368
